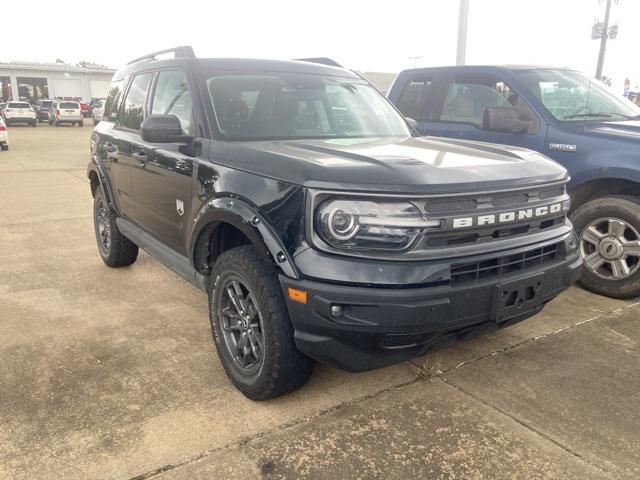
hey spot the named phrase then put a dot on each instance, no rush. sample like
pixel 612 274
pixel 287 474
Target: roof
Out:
pixel 240 64
pixel 489 67
pixel 54 67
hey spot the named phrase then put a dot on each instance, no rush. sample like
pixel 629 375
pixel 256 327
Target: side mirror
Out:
pixel 503 119
pixel 163 129
pixel 412 122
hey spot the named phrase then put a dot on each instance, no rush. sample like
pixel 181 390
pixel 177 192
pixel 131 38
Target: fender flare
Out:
pixel 254 226
pixel 103 180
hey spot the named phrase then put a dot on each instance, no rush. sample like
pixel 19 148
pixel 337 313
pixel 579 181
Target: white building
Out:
pixel 29 81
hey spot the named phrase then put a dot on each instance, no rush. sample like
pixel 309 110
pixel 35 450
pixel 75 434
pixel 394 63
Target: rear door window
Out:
pixel 113 100
pixel 413 97
pixel 133 108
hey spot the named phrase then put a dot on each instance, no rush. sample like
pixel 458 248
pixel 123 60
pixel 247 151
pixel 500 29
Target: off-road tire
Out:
pixel 625 208
pixel 121 251
pixel 283 368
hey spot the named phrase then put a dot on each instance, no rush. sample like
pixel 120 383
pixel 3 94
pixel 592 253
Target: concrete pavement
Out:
pixel 112 373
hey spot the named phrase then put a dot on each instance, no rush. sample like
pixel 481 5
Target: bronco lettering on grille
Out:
pixel 506 217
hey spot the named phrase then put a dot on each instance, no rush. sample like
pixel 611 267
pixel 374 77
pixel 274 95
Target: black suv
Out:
pixel 318 222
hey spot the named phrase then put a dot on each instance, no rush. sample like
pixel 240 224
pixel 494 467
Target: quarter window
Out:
pixel 133 111
pixel 172 97
pixel 413 97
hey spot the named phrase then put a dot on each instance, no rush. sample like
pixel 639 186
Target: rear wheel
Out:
pixel 115 249
pixel 81 123
pixel 609 232
pixel 56 123
pixel 251 327
pixel 4 147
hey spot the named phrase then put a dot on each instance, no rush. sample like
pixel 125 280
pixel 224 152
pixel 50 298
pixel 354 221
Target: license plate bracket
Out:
pixel 512 299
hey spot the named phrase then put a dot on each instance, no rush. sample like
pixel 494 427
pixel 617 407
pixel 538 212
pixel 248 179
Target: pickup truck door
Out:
pixel 457 111
pixel 164 175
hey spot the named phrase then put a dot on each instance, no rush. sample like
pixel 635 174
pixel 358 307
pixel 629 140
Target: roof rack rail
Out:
pixel 185 51
pixel 321 60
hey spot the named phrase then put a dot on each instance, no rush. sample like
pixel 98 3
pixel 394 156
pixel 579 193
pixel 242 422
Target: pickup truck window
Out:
pixel 465 102
pixel 572 96
pixel 293 106
pixel 413 97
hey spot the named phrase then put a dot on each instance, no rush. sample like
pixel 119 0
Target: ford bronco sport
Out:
pixel 320 225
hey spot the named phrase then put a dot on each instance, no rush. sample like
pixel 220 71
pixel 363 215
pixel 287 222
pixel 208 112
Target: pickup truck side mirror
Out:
pixel 163 129
pixel 503 119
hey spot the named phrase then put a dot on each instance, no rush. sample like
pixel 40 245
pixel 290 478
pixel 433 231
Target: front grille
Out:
pixel 491 203
pixel 504 265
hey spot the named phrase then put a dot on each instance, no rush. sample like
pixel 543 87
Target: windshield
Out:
pixel 288 106
pixel 572 96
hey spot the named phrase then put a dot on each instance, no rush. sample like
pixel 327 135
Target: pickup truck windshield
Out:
pixel 571 96
pixel 293 106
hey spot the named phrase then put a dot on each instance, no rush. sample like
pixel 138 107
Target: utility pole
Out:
pixel 603 41
pixel 463 20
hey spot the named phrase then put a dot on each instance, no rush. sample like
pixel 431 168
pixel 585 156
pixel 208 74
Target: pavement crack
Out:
pixel 531 428
pixel 244 441
pixel 526 341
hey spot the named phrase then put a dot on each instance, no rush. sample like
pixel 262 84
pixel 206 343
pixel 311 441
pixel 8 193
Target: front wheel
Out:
pixel 251 327
pixel 609 232
pixel 115 249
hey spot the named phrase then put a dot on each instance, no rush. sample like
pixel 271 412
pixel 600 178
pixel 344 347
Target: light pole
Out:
pixel 415 59
pixel 463 20
pixel 603 41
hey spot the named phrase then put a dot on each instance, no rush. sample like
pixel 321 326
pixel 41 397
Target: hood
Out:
pixel 626 129
pixel 410 165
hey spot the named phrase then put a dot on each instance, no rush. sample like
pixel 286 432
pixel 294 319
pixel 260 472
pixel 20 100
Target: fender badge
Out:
pixel 563 147
pixel 180 207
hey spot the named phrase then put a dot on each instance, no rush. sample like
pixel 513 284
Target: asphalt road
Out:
pixel 112 373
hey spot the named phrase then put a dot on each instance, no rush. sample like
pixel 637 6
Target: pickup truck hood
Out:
pixel 410 165
pixel 627 129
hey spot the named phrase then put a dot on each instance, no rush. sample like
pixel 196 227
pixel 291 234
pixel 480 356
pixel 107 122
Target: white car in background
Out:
pixel 4 136
pixel 20 112
pixel 98 112
pixel 65 111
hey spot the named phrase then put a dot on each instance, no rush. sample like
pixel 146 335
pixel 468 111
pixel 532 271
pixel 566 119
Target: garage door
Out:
pixel 99 88
pixel 67 87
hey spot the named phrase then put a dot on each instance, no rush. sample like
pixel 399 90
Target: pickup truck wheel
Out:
pixel 251 327
pixel 609 232
pixel 115 249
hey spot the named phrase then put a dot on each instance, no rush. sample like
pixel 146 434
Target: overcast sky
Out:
pixel 364 35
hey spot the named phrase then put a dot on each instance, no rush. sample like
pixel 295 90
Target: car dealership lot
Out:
pixel 112 373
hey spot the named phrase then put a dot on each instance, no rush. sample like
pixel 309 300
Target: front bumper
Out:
pixel 382 326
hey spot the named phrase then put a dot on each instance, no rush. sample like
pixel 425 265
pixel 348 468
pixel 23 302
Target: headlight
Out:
pixel 354 225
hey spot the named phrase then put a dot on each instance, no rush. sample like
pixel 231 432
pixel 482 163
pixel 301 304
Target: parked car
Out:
pixel 19 112
pixel 42 108
pixel 65 111
pixel 98 112
pixel 563 114
pixel 319 224
pixel 4 136
pixel 84 108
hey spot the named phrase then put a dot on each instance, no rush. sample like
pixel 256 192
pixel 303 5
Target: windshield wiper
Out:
pixel 601 114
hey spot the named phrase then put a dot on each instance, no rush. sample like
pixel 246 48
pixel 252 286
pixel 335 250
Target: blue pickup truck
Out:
pixel 565 115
